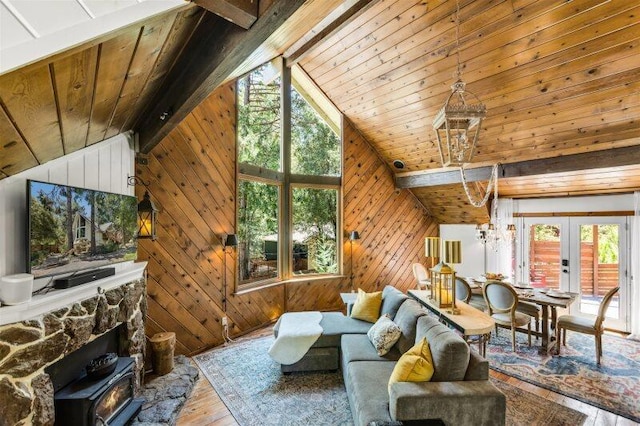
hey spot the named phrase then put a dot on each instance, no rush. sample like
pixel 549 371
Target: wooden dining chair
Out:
pixel 594 327
pixel 464 293
pixel 421 275
pixel 533 310
pixel 502 301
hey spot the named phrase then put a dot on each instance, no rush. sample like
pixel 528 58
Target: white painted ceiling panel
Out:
pixel 104 7
pixel 11 30
pixel 61 24
pixel 50 16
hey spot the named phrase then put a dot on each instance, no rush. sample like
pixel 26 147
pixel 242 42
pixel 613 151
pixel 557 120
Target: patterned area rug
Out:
pixel 257 393
pixel 613 386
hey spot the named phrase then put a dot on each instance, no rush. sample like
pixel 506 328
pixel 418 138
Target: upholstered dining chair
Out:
pixel 464 293
pixel 421 275
pixel 594 327
pixel 531 309
pixel 502 301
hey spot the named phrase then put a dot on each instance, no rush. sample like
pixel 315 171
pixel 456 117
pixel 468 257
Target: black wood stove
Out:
pixel 107 400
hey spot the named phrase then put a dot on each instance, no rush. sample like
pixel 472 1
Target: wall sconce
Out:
pixel 353 235
pixel 147 211
pixel 231 240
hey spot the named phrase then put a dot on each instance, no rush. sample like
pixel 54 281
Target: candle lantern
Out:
pixel 443 278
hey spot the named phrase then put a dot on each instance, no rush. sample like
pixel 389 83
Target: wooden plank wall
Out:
pixel 392 223
pixel 192 177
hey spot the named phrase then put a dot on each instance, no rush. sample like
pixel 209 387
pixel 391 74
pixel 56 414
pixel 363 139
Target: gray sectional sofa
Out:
pixel 459 393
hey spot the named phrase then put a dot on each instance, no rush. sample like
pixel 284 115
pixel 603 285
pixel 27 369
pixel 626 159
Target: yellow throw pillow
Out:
pixel 367 306
pixel 416 365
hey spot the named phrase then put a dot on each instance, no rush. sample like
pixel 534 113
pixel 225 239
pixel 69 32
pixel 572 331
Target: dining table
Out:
pixel 549 305
pixel 549 302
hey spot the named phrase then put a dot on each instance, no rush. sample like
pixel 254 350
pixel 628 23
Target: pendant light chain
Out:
pixel 458 69
pixel 492 185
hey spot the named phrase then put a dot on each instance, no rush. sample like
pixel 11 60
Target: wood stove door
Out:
pixel 113 401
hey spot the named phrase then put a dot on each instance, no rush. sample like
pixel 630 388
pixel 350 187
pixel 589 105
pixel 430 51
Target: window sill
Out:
pixel 292 280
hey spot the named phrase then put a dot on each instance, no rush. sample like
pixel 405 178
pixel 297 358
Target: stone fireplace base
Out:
pixel 28 347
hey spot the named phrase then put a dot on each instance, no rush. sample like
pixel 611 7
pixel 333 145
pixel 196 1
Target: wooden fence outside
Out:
pixel 545 268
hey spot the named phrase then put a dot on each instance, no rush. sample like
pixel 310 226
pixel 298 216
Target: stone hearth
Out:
pixel 166 395
pixel 28 347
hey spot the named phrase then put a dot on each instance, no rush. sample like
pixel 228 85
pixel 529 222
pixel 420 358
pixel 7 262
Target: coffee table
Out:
pixel 470 321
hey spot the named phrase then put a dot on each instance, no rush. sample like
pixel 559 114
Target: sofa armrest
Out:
pixel 478 368
pixel 476 402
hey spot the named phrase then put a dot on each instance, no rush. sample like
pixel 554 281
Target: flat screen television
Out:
pixel 72 229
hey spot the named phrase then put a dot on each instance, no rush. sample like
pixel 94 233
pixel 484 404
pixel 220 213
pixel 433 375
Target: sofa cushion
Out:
pixel 449 351
pixel 367 306
pixel 406 318
pixel 415 365
pixel 476 402
pixel 334 325
pixel 357 347
pixel 384 334
pixel 368 396
pixel 478 368
pixel 392 298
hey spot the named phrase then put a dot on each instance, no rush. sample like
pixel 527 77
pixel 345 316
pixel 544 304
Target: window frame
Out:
pixel 266 281
pixel 339 239
pixel 287 182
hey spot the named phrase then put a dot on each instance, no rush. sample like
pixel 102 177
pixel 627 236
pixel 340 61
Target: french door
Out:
pixel 584 255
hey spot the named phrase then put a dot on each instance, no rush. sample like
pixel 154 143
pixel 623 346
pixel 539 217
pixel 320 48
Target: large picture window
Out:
pixel 315 147
pixel 258 103
pixel 257 231
pixel 315 221
pixel 289 162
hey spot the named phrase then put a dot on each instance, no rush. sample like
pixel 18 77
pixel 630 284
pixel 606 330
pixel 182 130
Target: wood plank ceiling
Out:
pixel 557 77
pixel 89 93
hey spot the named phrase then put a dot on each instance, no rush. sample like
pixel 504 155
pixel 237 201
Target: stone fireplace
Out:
pixel 29 346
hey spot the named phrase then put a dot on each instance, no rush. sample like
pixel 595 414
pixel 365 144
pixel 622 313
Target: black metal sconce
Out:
pixel 231 240
pixel 353 235
pixel 147 211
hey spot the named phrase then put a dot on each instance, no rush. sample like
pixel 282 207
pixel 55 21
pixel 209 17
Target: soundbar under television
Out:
pixel 74 229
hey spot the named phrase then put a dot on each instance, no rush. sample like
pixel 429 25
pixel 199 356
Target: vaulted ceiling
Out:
pixel 559 78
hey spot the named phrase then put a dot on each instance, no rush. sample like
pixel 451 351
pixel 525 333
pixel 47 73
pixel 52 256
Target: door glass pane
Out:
pixel 599 269
pixel 314 231
pixel 257 231
pixel 544 256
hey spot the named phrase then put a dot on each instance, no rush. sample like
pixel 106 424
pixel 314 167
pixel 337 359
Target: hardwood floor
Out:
pixel 205 408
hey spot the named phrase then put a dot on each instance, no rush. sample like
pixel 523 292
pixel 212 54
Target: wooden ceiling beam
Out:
pixel 241 12
pixel 616 157
pixel 215 50
pixel 333 27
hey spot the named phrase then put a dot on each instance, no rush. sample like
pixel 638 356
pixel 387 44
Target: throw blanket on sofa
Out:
pixel 298 331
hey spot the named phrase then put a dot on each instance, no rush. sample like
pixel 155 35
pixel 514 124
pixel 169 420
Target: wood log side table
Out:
pixel 163 345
